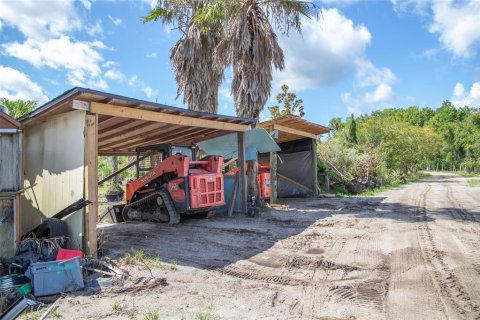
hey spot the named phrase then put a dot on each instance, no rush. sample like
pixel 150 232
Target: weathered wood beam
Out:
pixel 242 176
pixel 134 141
pixel 298 184
pixel 156 138
pixel 91 187
pixel 140 114
pixel 128 132
pixel 315 168
pixel 294 131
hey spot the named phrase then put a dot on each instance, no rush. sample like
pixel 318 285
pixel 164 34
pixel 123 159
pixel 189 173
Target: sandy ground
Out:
pixel 409 253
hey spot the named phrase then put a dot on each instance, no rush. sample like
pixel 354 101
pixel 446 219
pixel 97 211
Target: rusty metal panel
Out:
pixel 54 171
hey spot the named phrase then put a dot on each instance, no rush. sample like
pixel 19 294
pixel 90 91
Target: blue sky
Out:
pixel 357 56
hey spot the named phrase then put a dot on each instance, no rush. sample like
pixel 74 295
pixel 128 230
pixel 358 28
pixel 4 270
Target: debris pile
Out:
pixel 42 271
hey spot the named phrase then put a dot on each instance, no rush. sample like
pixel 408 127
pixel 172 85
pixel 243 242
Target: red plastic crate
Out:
pixel 65 254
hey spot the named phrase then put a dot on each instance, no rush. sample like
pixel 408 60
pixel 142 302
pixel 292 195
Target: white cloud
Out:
pixel 16 85
pixel 80 59
pixel 109 64
pixel 369 75
pixel 115 21
pixel 135 82
pixel 114 75
pixel 457 25
pixel 462 98
pixel 149 92
pixel 151 55
pixel 39 21
pixel 382 93
pixel 59 53
pixel 49 41
pixel 95 29
pixel 86 3
pixel 378 82
pixel 326 53
pixel 455 22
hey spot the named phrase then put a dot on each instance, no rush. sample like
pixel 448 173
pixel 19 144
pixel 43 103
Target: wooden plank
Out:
pixel 17 207
pixel 134 141
pixel 91 188
pixel 199 134
pixel 160 136
pixel 294 131
pixel 233 197
pixel 273 173
pixel 315 168
pixel 104 132
pixel 128 132
pixel 242 176
pixel 125 112
pixel 298 184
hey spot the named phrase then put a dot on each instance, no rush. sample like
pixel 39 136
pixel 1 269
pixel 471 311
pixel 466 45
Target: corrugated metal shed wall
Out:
pixel 54 167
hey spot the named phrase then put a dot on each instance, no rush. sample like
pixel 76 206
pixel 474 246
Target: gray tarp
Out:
pixel 297 164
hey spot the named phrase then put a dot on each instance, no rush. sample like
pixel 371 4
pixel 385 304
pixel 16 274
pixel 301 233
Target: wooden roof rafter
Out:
pixel 292 128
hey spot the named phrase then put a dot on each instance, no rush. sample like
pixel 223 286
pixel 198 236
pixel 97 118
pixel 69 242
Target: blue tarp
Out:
pixel 256 140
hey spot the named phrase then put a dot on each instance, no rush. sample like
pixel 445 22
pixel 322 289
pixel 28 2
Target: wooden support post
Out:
pixel 315 167
pixel 273 178
pixel 17 207
pixel 91 187
pixel 273 174
pixel 242 177
pixel 233 197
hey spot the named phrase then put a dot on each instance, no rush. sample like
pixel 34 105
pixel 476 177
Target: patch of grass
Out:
pixel 173 265
pixel 473 182
pixel 56 314
pixel 463 173
pixel 139 256
pixel 117 306
pixel 204 315
pixel 32 315
pixel 152 315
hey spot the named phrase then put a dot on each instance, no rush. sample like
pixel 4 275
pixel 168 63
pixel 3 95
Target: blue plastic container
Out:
pixel 56 276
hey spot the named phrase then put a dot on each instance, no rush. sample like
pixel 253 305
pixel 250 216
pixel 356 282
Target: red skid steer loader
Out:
pixel 177 184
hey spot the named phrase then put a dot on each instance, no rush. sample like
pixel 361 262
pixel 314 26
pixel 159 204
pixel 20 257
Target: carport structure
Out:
pixel 296 137
pixel 82 124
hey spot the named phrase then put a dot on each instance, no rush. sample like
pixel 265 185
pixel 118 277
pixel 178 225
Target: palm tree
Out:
pixel 198 78
pixel 250 45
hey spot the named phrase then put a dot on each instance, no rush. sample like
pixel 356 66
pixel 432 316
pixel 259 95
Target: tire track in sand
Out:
pixel 453 295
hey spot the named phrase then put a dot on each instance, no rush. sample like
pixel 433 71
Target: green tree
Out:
pixel 18 108
pixel 351 133
pixel 288 103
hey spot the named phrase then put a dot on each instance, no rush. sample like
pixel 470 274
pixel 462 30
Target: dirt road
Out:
pixel 410 253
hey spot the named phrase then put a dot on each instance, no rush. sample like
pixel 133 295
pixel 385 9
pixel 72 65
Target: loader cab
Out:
pixel 149 156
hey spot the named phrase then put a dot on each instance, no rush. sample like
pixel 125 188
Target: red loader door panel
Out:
pixel 206 190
